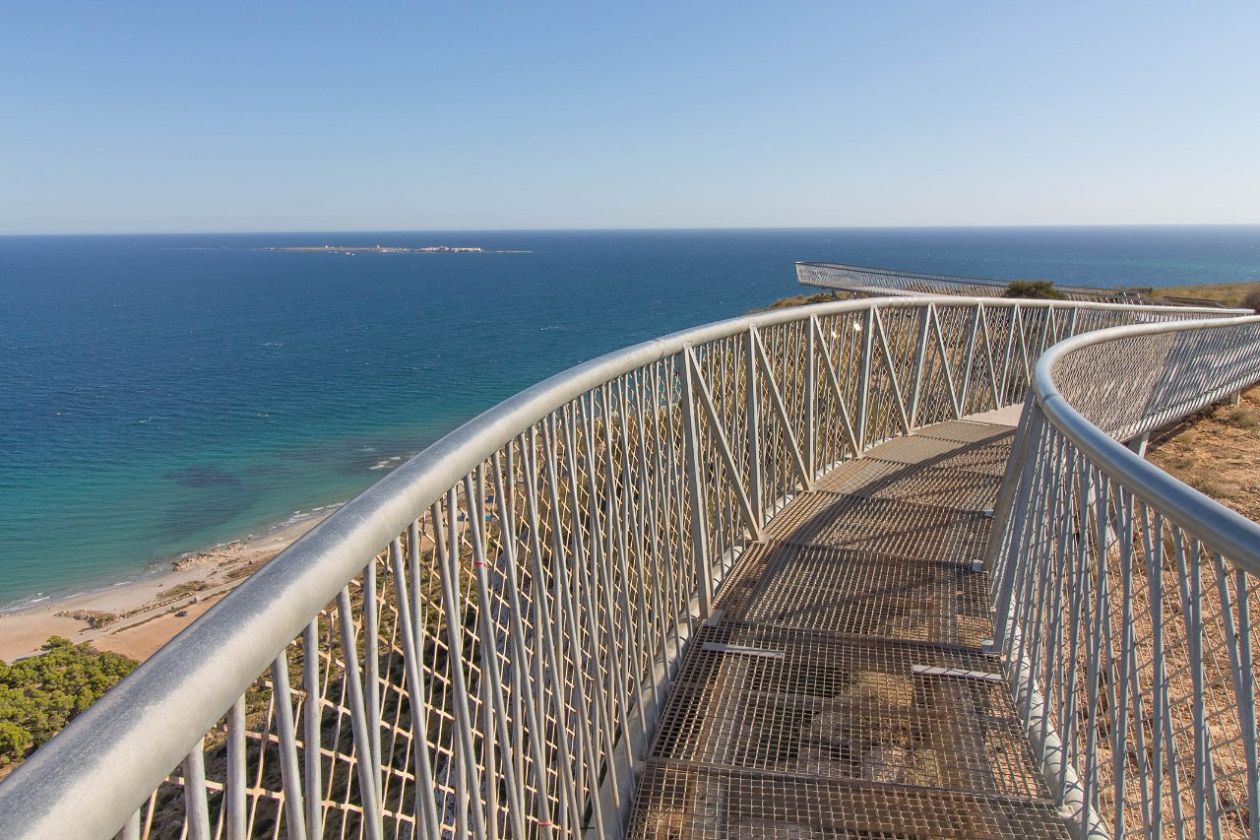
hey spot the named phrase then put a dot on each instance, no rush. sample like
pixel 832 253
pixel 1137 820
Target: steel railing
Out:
pixel 479 644
pixel 1124 597
pixel 867 281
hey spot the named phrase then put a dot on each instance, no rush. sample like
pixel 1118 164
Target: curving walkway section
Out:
pixel 841 687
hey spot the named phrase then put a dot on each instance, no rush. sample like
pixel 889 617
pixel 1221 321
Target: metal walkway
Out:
pixel 840 688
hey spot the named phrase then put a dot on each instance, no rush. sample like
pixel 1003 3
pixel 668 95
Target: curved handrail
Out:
pixel 106 763
pixel 1124 598
pixel 1224 530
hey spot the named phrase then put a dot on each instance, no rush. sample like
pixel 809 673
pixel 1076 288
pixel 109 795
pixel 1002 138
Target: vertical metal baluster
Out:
pixel 427 822
pixel 1144 753
pixel 447 548
pixel 1119 744
pixel 517 636
pixel 973 333
pixel 653 496
pixel 562 596
pixel 1188 589
pixel 1246 697
pixel 1033 623
pixel 1094 638
pixel 864 377
pixel 519 679
pixel 811 401
pixel 312 721
pixel 1163 731
pixel 371 671
pixel 290 776
pixel 1019 522
pixel 131 829
pixel 490 662
pixel 893 380
pixel 695 489
pixel 633 547
pixel 1064 467
pixel 582 605
pixel 1015 322
pixel 196 808
pixel 955 400
pixel 999 399
pixel 234 781
pixel 753 420
pixel 544 625
pixel 1079 597
pixel 358 719
pixel 617 546
pixel 920 360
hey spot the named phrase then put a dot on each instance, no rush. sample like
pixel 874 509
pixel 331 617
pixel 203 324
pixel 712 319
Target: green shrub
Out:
pixel 1035 289
pixel 1251 300
pixel 41 694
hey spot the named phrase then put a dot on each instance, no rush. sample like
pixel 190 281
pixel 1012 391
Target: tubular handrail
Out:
pixel 637 476
pixel 1124 598
pixel 1225 531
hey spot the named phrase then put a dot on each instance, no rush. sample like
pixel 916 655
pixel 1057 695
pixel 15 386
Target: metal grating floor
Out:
pixel 951 488
pixel 701 803
pixel 847 710
pixel 883 526
pixel 983 457
pixel 969 431
pixel 854 593
pixel 840 688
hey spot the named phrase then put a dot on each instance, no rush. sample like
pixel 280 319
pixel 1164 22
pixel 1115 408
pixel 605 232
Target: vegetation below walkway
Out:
pixel 1217 452
pixel 41 694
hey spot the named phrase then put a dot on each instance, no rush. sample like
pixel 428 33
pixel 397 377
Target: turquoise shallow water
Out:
pixel 159 394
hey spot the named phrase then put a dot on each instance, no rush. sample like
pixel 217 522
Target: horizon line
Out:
pixel 662 229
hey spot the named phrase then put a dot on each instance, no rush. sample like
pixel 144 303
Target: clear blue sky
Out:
pixel 226 116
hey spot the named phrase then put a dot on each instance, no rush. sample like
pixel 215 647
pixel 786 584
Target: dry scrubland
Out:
pixel 1218 453
pixel 1231 294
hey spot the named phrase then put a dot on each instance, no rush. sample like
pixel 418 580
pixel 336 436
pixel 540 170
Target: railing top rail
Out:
pixel 1225 531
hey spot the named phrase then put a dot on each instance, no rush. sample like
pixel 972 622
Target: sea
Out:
pixel 161 394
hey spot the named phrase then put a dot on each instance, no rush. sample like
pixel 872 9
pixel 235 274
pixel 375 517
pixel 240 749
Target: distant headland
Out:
pixel 385 249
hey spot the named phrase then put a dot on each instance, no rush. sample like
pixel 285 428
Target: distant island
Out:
pixel 386 249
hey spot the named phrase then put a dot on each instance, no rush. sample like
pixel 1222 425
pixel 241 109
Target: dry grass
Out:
pixel 1230 294
pixel 803 300
pixel 1218 453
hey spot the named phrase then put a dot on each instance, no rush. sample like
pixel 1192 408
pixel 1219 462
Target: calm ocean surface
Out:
pixel 159 394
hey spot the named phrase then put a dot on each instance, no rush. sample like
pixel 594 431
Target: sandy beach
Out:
pixel 138 617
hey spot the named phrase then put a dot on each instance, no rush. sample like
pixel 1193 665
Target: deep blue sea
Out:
pixel 160 394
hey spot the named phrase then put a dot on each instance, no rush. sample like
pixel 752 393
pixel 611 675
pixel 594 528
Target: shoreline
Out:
pixel 136 617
